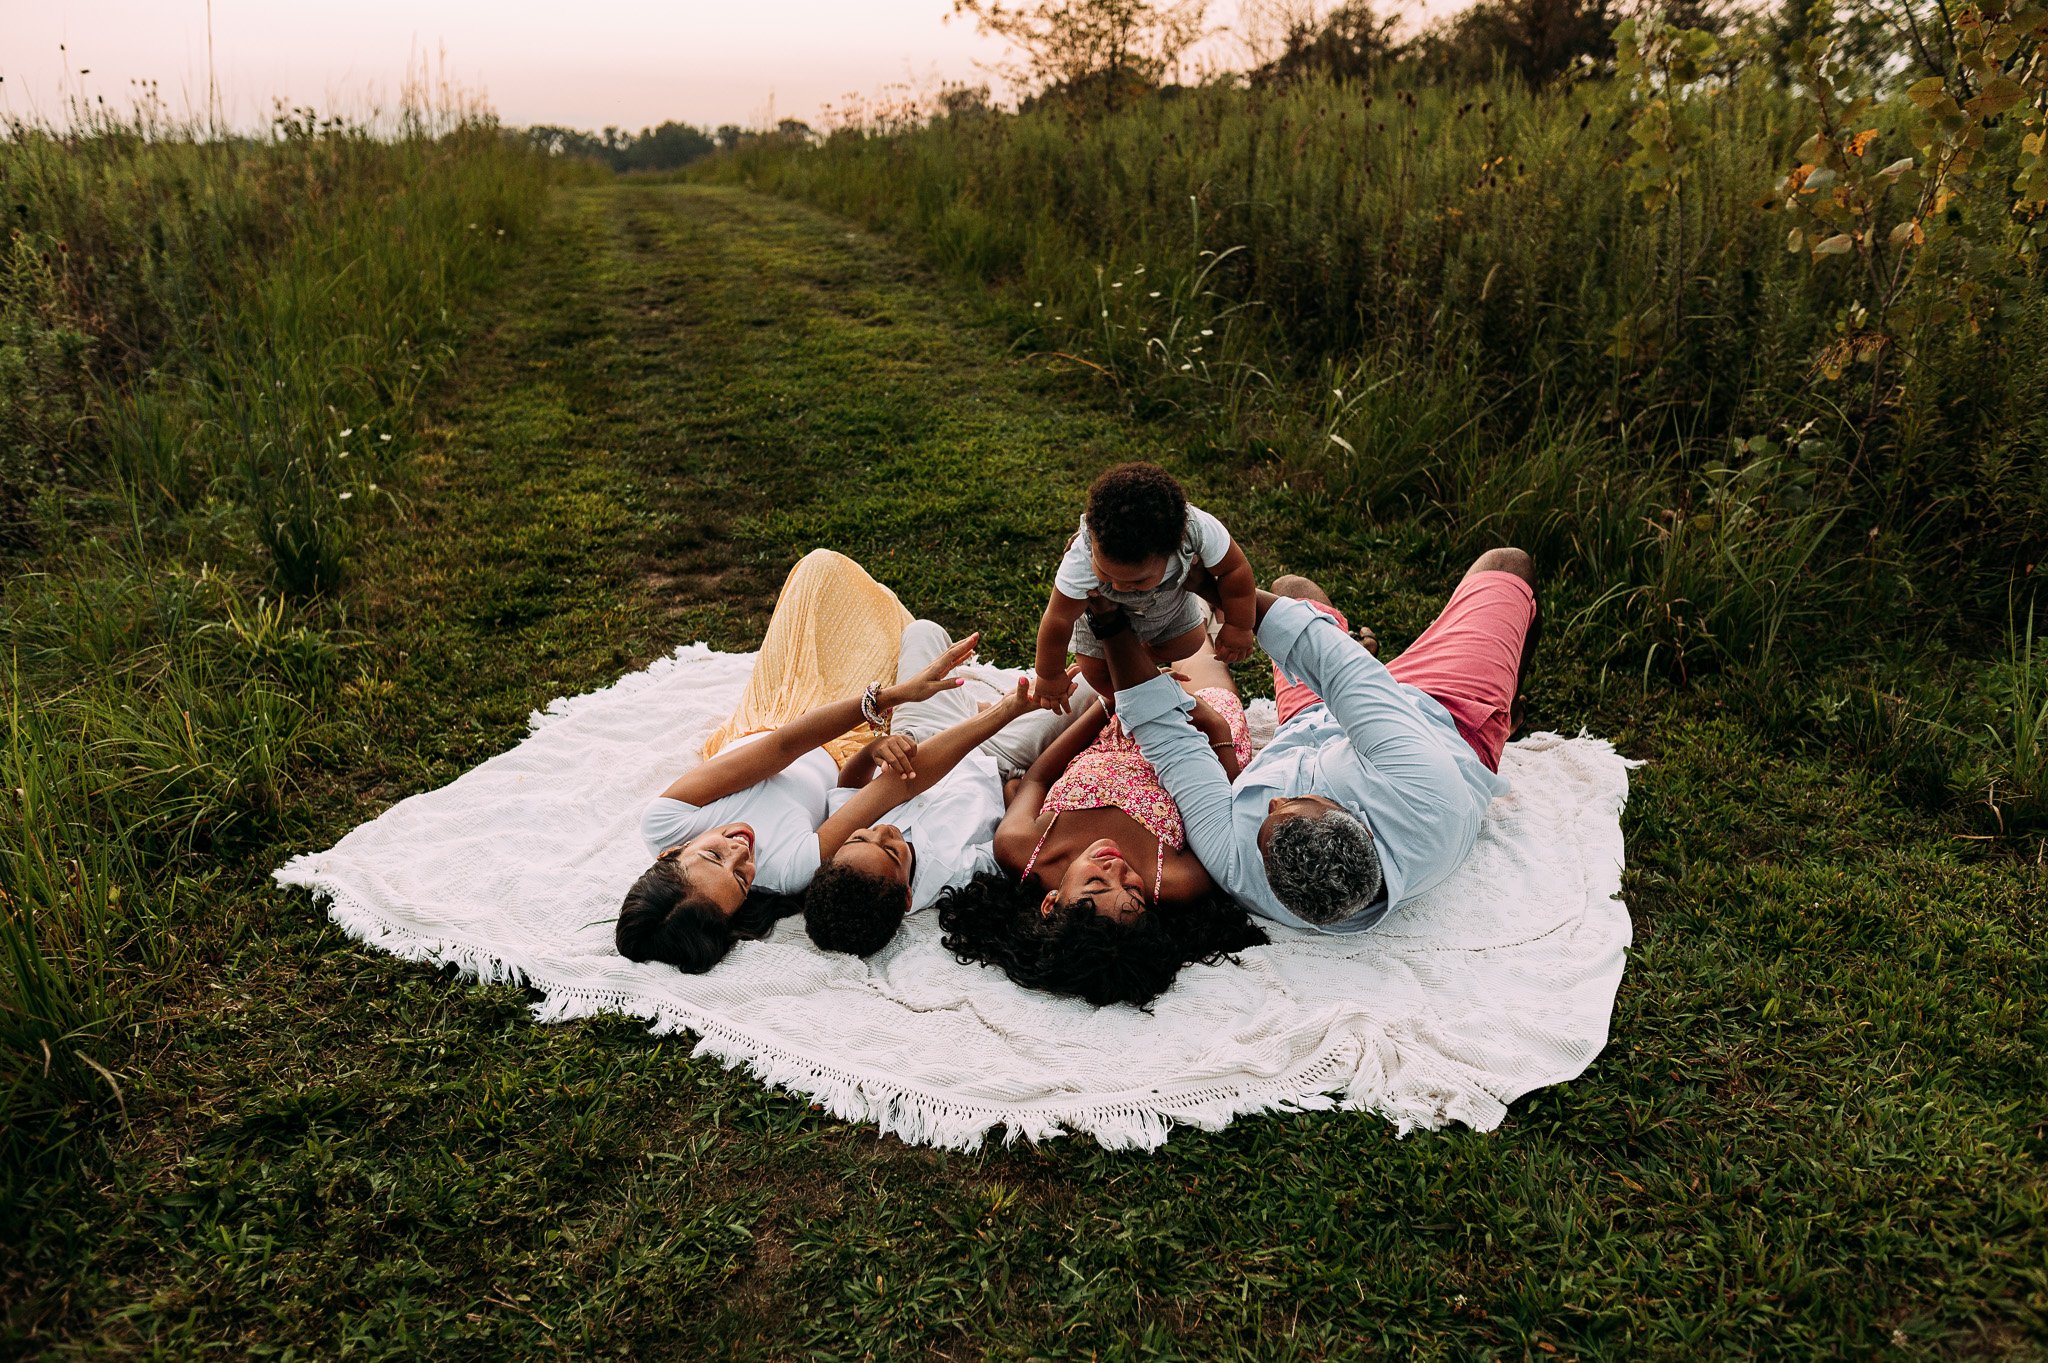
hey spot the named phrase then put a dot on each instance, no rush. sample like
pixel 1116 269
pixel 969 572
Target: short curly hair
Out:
pixel 849 910
pixel 661 920
pixel 994 920
pixel 1136 513
pixel 1324 867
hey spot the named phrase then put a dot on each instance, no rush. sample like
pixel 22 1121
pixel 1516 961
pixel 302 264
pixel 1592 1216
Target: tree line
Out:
pixel 669 146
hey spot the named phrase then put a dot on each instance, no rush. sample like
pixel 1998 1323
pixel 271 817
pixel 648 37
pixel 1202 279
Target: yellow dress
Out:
pixel 835 630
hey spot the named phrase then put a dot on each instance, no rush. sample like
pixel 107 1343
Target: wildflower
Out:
pixel 1105 312
pixel 1206 331
pixel 347 431
pixel 1038 305
pixel 387 439
pixel 1118 285
pixel 1139 270
pixel 1153 294
pixel 346 495
pixel 1186 367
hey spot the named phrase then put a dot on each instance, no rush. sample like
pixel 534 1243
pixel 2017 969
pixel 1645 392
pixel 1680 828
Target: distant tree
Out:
pixel 795 130
pixel 963 101
pixel 668 147
pixel 728 136
pixel 1538 40
pixel 1351 42
pixel 1097 55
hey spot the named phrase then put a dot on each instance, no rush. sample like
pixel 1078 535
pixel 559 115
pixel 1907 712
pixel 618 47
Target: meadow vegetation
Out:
pixel 1745 344
pixel 210 351
pixel 326 457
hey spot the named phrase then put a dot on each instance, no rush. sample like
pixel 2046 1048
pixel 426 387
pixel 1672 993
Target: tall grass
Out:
pixel 1453 303
pixel 213 349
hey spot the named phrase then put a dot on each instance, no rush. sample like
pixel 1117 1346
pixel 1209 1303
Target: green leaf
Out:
pixel 1926 93
pixel 1995 98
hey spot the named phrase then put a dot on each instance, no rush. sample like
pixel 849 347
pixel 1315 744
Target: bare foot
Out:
pixel 1369 639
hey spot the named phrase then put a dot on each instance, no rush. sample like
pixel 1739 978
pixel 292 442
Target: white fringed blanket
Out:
pixel 1499 982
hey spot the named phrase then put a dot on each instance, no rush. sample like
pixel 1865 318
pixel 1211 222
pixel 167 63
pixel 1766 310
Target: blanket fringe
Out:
pixel 915 1116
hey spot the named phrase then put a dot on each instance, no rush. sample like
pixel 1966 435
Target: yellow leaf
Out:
pixel 1840 244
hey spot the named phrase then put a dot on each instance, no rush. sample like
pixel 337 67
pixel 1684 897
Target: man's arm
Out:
pixel 1130 665
pixel 1384 727
pixel 1156 713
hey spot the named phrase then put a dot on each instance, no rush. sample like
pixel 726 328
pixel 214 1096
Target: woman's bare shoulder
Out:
pixel 1184 880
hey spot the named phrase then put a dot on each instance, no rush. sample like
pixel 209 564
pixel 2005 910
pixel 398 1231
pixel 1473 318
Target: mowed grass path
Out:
pixel 1817 1129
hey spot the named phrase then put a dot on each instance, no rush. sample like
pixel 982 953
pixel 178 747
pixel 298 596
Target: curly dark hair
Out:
pixel 994 920
pixel 851 911
pixel 1136 513
pixel 660 921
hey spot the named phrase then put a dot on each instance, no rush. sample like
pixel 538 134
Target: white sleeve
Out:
pixel 1076 576
pixel 1210 540
pixel 666 822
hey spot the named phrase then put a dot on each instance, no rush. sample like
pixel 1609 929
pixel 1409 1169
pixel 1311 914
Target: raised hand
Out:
pixel 933 679
pixel 1015 702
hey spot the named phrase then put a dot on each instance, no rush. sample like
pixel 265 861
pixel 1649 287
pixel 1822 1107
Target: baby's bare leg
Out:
pixel 1197 662
pixel 1095 671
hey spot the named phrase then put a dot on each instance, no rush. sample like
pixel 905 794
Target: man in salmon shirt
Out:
pixel 1373 788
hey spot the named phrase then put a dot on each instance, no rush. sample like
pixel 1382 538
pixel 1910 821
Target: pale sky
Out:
pixel 627 62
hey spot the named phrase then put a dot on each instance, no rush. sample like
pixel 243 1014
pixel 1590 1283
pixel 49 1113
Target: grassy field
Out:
pixel 1816 1131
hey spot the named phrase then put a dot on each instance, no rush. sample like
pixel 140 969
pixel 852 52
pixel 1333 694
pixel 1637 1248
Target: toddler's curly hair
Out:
pixel 1136 513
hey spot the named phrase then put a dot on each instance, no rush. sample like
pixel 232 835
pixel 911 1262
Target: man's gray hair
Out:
pixel 1323 867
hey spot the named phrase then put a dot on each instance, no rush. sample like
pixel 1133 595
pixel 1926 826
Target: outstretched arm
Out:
pixel 1055 631
pixel 936 757
pixel 1239 593
pixel 1018 830
pixel 1384 728
pixel 748 764
pixel 1131 665
pixel 1156 713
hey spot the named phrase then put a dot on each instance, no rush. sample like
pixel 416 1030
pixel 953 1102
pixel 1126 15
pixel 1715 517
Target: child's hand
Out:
pixel 897 753
pixel 1234 643
pixel 1051 692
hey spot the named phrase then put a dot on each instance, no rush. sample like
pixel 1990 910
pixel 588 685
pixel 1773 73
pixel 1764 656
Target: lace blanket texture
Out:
pixel 1498 982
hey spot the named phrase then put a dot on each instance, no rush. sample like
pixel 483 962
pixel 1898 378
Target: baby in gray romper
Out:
pixel 1142 546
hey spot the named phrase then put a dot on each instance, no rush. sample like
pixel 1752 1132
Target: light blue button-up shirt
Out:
pixel 1388 753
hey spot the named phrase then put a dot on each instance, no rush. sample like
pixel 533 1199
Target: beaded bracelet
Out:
pixel 871 708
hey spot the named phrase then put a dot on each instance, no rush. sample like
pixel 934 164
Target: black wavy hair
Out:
pixel 1136 513
pixel 849 910
pixel 994 920
pixel 660 921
